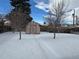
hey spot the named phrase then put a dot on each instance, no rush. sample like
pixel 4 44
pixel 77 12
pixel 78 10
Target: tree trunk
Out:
pixel 13 31
pixel 54 32
pixel 20 35
pixel 54 35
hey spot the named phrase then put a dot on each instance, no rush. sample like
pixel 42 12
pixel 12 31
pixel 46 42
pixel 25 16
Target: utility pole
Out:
pixel 73 17
pixel 76 20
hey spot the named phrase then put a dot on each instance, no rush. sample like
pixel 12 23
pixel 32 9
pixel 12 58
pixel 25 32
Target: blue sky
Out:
pixel 36 13
pixel 4 6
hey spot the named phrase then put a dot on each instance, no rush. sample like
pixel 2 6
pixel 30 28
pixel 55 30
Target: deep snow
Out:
pixel 39 46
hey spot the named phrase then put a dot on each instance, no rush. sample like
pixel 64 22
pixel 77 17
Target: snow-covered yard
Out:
pixel 39 46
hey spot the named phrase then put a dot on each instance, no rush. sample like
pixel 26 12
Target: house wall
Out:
pixel 33 28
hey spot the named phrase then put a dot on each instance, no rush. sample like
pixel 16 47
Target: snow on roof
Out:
pixel 7 21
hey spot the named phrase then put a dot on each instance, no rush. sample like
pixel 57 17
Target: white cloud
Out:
pixel 46 7
pixel 74 4
pixel 42 6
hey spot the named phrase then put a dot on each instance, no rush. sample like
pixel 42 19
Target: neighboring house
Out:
pixel 33 28
pixel 7 23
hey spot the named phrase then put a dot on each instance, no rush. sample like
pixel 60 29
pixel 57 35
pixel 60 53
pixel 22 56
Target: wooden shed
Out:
pixel 33 28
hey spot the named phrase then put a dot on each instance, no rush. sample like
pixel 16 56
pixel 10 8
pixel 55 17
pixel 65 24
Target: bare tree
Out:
pixel 19 21
pixel 58 11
